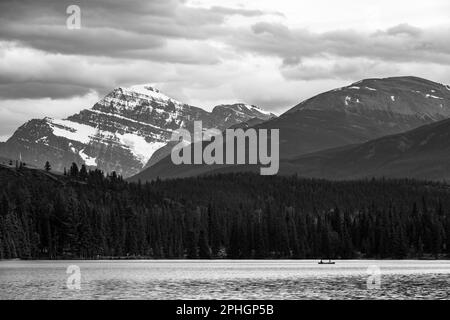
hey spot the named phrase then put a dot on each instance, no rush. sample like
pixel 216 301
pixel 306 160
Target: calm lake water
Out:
pixel 225 280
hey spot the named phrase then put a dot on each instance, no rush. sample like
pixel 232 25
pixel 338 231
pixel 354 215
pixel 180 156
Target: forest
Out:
pixel 87 214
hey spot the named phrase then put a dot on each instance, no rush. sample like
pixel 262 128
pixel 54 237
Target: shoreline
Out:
pixel 224 260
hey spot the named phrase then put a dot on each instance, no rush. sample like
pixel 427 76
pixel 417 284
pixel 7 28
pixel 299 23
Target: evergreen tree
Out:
pixel 74 170
pixel 43 216
pixel 47 166
pixel 191 243
pixel 204 251
pixel 83 174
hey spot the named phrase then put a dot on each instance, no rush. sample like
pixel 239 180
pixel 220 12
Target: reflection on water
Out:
pixel 224 280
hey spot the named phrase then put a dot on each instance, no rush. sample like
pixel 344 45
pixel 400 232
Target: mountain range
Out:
pixel 391 127
pixel 120 132
pixel 318 135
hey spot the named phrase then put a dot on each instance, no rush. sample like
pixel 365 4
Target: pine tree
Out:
pixel 83 172
pixel 192 249
pixel 47 166
pixel 4 205
pixel 74 170
pixel 204 251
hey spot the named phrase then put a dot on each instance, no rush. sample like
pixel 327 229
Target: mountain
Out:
pixel 422 153
pixel 363 111
pixel 360 112
pixel 224 116
pixel 119 133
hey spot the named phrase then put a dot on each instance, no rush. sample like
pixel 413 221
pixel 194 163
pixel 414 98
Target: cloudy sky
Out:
pixel 271 53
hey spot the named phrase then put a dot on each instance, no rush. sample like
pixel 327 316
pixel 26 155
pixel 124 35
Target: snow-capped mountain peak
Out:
pixel 148 90
pixel 244 109
pixel 119 133
pixel 255 108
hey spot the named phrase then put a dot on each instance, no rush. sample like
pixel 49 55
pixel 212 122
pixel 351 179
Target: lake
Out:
pixel 224 279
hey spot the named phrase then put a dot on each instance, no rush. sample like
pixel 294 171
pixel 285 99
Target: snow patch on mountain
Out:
pixel 89 161
pixel 131 120
pixel 43 140
pixel 433 97
pixel 142 149
pixel 72 148
pixel 254 108
pixel 72 130
pixel 347 100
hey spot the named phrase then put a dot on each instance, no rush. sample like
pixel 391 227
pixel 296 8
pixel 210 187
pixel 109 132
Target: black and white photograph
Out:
pixel 201 151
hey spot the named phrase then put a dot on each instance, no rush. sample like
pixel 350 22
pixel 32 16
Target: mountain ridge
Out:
pixel 422 153
pixel 118 133
pixel 330 120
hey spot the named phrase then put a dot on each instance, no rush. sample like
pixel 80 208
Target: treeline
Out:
pixel 85 214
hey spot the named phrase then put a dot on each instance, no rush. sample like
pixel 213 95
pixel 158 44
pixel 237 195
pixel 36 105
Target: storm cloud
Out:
pixel 209 52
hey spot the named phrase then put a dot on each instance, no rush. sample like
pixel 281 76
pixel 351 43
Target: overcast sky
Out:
pixel 271 53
